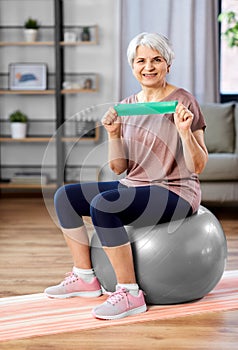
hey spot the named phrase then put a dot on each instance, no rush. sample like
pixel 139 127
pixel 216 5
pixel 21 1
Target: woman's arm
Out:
pixel 194 148
pixel 116 151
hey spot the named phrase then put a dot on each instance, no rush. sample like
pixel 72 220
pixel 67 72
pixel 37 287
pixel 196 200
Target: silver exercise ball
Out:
pixel 175 262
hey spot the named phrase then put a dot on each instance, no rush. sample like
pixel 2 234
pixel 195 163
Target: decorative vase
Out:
pixel 30 35
pixel 18 130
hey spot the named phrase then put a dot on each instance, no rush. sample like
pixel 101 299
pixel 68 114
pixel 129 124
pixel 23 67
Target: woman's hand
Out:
pixel 183 119
pixel 112 122
pixel 116 152
pixel 194 148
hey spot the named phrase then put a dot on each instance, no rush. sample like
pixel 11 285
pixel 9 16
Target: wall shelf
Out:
pixel 78 43
pixel 78 91
pixel 76 139
pixel 27 186
pixel 24 43
pixel 27 92
pixel 46 92
pixel 46 43
pixel 26 139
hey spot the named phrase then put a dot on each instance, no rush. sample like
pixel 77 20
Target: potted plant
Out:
pixel 31 29
pixel 18 122
pixel 85 35
pixel 231 32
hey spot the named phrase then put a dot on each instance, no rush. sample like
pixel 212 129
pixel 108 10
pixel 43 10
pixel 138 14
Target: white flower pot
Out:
pixel 30 35
pixel 18 130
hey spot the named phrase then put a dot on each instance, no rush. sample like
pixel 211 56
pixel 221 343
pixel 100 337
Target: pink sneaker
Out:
pixel 74 286
pixel 120 304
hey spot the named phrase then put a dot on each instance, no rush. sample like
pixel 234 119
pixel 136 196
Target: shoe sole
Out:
pixel 93 294
pixel 131 312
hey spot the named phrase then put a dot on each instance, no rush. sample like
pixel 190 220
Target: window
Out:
pixel 228 58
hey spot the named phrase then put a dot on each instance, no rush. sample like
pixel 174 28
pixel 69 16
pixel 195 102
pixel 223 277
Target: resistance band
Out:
pixel 146 108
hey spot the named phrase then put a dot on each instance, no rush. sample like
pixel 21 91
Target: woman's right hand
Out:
pixel 112 122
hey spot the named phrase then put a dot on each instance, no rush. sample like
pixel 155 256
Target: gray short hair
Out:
pixel 155 41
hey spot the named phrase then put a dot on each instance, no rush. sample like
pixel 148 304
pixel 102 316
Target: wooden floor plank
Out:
pixel 33 256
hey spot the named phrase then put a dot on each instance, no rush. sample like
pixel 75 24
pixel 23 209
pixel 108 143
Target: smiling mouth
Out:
pixel 149 75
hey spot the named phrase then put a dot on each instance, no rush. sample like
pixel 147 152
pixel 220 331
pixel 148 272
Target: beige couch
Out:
pixel 219 181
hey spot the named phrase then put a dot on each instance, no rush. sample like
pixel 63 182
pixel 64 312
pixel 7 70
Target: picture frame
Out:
pixel 27 76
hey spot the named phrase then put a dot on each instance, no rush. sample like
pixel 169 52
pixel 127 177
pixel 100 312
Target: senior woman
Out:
pixel 162 156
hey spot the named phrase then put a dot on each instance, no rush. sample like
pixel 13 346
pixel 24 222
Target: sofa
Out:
pixel 219 180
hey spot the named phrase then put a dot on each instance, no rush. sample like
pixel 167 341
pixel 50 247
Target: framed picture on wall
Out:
pixel 27 76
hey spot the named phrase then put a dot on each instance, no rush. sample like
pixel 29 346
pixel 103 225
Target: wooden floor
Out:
pixel 33 256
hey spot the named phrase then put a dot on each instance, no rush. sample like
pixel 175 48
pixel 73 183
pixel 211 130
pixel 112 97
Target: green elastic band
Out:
pixel 146 108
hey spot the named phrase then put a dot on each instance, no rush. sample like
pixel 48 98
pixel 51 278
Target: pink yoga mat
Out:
pixel 36 315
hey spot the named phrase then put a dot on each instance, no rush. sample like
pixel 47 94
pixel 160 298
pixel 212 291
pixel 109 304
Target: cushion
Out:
pixel 220 130
pixel 221 167
pixel 220 193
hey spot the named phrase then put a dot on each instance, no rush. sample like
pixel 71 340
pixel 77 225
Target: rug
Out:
pixel 36 315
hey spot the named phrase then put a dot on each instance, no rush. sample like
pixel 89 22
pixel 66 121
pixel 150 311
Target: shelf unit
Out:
pixel 26 92
pixel 58 92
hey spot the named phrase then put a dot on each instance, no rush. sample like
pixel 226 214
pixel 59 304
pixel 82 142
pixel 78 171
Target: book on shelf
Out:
pixel 37 178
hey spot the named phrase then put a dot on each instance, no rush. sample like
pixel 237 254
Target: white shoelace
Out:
pixel 70 277
pixel 117 296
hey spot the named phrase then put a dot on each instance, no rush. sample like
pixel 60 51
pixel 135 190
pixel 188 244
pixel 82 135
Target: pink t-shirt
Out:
pixel 155 153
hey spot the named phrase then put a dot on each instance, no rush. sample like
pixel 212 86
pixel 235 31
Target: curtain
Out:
pixel 192 28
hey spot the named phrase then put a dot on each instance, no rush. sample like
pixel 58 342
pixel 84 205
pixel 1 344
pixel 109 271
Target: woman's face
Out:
pixel 149 67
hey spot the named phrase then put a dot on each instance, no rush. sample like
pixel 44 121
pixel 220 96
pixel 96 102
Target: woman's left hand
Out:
pixel 183 118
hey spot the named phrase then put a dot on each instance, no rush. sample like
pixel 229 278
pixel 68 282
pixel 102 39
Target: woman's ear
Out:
pixel 168 69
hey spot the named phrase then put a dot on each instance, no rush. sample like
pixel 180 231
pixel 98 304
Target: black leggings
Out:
pixel 112 205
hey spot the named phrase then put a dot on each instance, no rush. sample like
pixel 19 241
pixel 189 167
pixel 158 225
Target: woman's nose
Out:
pixel 149 65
